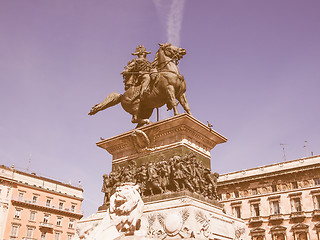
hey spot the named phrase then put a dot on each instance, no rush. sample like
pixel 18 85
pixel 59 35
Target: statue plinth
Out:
pixel 170 162
pixel 176 135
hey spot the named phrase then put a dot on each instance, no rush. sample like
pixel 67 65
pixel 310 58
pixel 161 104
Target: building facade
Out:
pixel 37 208
pixel 278 202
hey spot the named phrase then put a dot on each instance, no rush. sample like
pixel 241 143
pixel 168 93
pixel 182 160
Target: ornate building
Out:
pixel 34 207
pixel 278 202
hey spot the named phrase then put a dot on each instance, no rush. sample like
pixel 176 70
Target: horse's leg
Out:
pixel 143 116
pixel 184 103
pixel 172 99
pixel 142 122
pixel 134 119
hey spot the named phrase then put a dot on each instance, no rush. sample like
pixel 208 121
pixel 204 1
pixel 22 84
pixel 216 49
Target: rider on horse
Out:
pixel 161 78
pixel 143 70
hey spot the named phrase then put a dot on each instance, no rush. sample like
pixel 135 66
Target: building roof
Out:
pixel 275 168
pixel 34 175
pixel 35 181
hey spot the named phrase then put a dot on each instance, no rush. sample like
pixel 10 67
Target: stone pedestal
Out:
pixel 185 216
pixel 176 135
pixel 173 213
pixel 180 216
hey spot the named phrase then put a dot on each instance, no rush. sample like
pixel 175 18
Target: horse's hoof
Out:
pixel 147 121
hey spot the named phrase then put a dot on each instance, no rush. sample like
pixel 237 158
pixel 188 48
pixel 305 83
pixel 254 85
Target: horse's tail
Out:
pixel 111 100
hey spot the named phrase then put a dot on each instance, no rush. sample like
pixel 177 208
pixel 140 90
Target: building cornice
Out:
pixel 35 206
pixel 2 178
pixel 33 175
pixel 254 200
pixel 278 196
pixel 295 194
pixel 271 195
pixel 267 175
pixel 50 191
pixel 313 160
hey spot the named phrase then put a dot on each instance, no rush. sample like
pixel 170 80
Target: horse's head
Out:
pixel 173 52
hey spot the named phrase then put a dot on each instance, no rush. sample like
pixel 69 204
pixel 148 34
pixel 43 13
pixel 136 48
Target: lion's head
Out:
pixel 126 207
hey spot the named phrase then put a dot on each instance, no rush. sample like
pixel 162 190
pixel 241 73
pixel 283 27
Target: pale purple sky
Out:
pixel 252 69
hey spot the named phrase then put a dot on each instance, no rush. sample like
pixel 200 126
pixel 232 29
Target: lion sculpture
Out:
pixel 126 207
pixel 122 217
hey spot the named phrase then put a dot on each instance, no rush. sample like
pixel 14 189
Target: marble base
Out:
pixel 180 217
pixel 184 217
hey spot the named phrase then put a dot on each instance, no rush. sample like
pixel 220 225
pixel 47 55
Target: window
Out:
pixel 237 211
pixel 8 191
pixel 279 236
pixel 32 216
pixel 59 221
pixel 236 194
pixel 43 236
pixel 258 238
pixel 30 232
pixel 317 201
pixel 60 205
pixel 257 233
pixel 296 205
pixel 73 208
pixel 17 214
pixel 316 181
pixel 255 210
pixel 301 236
pixel 300 231
pixel 254 191
pixel 71 223
pixel 275 207
pixel 274 188
pixel 48 202
pixel 294 185
pixel 70 236
pixel 46 218
pixel 14 231
pixel 57 235
pixel 34 198
pixel 228 195
pixel 20 196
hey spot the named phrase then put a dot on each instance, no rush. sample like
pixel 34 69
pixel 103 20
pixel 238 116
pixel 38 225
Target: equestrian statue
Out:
pixel 150 85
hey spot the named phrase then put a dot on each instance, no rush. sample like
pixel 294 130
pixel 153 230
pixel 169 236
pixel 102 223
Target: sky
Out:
pixel 252 70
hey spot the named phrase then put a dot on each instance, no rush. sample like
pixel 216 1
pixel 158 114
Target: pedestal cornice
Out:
pixel 180 130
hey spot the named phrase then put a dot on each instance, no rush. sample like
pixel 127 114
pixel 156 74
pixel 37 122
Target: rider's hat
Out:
pixel 140 49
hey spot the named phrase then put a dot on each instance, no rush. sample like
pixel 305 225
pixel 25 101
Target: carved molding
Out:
pixel 190 131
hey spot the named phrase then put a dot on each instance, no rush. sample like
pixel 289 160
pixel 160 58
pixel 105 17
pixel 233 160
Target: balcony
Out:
pixel 47 207
pixel 276 218
pixel 316 214
pixel 46 225
pixel 255 221
pixel 297 216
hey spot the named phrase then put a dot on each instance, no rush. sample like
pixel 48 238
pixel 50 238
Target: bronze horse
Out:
pixel 168 87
